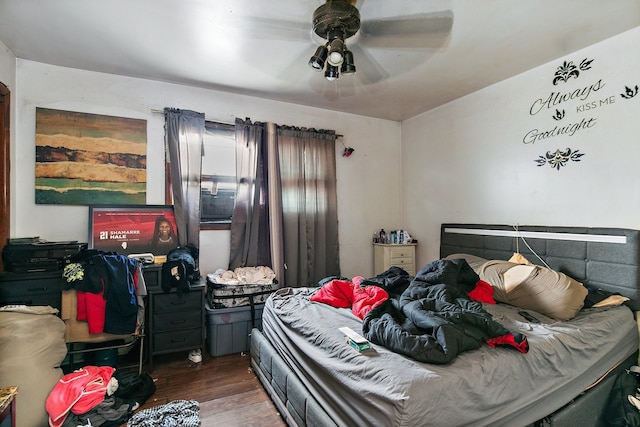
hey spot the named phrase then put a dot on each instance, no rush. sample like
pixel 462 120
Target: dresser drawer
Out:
pixel 177 320
pixel 168 303
pixel 401 262
pixel 32 289
pixel 386 256
pixel 401 252
pixel 151 275
pixel 176 340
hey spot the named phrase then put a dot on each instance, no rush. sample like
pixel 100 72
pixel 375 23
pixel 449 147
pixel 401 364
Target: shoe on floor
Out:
pixel 195 355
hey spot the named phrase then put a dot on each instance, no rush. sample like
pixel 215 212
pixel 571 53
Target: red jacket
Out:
pixel 78 392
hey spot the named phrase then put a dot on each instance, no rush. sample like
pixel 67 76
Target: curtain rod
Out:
pixel 221 125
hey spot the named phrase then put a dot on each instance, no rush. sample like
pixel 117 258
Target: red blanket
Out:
pixel 348 294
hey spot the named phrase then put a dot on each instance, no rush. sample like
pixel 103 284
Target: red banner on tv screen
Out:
pixel 133 230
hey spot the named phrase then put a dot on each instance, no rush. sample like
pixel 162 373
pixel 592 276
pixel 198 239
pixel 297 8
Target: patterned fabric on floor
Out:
pixel 177 413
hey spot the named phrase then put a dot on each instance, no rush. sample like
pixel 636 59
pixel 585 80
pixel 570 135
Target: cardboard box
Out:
pixel 228 329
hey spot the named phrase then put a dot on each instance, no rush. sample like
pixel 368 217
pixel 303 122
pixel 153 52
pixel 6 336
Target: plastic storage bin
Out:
pixel 228 329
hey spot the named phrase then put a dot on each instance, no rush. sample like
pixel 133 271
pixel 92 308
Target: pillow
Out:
pixel 515 275
pixel 611 301
pixel 518 258
pixel 536 288
pixel 475 262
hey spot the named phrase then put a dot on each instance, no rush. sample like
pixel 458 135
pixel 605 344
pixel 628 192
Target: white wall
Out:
pixel 466 161
pixel 7 67
pixel 369 175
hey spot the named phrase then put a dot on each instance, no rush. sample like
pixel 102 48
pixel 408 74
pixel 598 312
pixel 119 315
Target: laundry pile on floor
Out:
pixel 97 396
pixel 183 413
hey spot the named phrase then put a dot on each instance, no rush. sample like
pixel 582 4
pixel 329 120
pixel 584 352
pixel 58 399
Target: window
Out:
pixel 218 181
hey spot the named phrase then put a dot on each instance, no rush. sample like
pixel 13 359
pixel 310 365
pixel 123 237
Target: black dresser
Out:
pixel 173 322
pixel 42 288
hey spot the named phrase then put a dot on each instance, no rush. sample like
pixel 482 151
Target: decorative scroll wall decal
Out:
pixel 574 109
pixel 559 115
pixel 559 158
pixel 569 70
pixel 583 99
pixel 629 93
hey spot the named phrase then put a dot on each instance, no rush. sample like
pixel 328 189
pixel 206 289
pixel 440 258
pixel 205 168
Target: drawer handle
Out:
pixel 175 322
pixel 181 302
pixel 178 340
pixel 42 288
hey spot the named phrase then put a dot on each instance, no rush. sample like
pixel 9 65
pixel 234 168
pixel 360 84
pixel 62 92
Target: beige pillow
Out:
pixel 518 258
pixel 492 272
pixel 514 276
pixel 534 288
pixel 611 301
pixel 475 262
pixel 545 291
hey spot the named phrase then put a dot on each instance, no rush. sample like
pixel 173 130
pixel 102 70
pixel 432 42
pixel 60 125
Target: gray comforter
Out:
pixel 433 320
pixel 480 387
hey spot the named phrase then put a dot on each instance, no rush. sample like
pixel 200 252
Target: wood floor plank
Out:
pixel 259 414
pixel 226 388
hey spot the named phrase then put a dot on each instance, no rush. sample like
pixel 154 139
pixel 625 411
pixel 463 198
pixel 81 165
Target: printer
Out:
pixel 29 257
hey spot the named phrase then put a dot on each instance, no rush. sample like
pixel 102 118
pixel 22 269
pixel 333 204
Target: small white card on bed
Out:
pixel 355 340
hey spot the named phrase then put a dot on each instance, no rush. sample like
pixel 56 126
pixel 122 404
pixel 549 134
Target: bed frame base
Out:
pixel 299 408
pixel 296 404
pixel 608 257
pixel 588 409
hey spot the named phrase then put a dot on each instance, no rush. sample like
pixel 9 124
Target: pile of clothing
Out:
pixel 98 396
pixel 183 413
pixel 261 275
pixel 240 287
pixel 432 317
pixel 110 289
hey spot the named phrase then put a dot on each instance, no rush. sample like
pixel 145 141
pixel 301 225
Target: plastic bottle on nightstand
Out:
pixel 383 236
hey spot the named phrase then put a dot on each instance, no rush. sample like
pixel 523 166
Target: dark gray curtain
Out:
pixel 250 244
pixel 309 205
pixel 275 203
pixel 184 134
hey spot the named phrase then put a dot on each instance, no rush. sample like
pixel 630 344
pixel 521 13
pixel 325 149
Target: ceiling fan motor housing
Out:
pixel 336 14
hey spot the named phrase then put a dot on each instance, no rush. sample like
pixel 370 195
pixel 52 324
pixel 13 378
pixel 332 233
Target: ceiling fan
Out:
pixel 336 21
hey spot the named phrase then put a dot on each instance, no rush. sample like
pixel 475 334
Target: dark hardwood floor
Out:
pixel 226 387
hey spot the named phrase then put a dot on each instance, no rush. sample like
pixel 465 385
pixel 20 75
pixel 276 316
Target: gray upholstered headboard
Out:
pixel 601 258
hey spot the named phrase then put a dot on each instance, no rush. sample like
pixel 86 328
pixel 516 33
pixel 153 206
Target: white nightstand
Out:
pixel 387 255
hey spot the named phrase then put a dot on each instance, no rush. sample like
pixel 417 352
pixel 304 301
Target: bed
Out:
pixel 316 379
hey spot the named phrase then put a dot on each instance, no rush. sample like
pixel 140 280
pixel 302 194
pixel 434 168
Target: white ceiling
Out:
pixel 261 48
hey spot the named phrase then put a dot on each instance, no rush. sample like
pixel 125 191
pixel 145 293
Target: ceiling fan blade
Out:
pixel 425 23
pixel 367 69
pixel 425 31
pixel 269 28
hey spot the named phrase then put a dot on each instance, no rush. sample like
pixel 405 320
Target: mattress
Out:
pixel 487 386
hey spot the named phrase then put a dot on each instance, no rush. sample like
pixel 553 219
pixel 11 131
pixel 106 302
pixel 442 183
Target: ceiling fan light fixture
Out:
pixel 336 52
pixel 332 72
pixel 318 59
pixel 348 66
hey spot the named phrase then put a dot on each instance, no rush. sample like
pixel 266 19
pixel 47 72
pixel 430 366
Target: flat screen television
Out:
pixel 133 229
